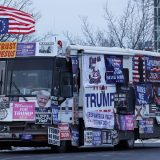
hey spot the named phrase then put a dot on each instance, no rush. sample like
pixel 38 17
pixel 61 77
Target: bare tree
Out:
pixel 131 30
pixel 26 6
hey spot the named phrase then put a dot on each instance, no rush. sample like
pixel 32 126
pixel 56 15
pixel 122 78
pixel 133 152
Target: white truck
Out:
pixel 83 96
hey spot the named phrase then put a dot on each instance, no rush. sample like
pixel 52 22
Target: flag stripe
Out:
pixel 21 32
pixel 19 22
pixel 17 18
pixel 15 11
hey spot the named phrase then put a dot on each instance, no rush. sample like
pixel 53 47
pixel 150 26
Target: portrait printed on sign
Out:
pixel 43 99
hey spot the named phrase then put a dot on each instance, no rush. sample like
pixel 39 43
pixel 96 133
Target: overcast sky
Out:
pixel 64 15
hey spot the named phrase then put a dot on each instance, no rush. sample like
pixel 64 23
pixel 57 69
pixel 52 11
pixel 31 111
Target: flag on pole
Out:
pixel 13 21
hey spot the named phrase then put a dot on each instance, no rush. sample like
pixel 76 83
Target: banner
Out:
pixel 8 49
pixel 23 111
pixel 93 70
pixel 26 49
pixel 114 67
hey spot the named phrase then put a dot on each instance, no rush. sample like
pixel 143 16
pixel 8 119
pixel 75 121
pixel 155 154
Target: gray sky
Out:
pixel 64 15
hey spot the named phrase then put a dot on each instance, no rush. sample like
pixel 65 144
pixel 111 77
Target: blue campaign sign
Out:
pixel 55 114
pixel 114 67
pixel 26 49
pixel 75 137
pixel 97 138
pixel 141 94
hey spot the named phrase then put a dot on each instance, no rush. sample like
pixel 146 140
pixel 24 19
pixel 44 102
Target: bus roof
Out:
pixel 110 50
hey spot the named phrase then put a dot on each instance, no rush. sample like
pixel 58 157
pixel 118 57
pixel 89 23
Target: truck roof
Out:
pixel 110 50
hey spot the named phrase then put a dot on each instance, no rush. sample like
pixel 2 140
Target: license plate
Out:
pixel 26 137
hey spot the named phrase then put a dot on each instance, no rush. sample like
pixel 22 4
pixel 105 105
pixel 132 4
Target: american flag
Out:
pixel 136 75
pixel 13 21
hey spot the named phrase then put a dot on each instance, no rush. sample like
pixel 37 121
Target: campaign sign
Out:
pixel 64 131
pixel 141 96
pixel 23 111
pixel 43 118
pixel 94 70
pixel 55 114
pixel 99 120
pixel 88 138
pixel 53 136
pixel 98 100
pixel 46 49
pixel 75 137
pixel 152 68
pixel 74 64
pixel 127 122
pixel 26 49
pixel 97 138
pixel 6 114
pixel 114 67
pixel 146 126
pixel 106 137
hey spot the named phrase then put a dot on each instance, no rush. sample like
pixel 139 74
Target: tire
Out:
pixel 64 147
pixel 125 144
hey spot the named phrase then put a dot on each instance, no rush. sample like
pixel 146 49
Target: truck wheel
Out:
pixel 125 144
pixel 64 147
pixel 130 143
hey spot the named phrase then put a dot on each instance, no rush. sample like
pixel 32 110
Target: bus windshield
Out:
pixel 26 76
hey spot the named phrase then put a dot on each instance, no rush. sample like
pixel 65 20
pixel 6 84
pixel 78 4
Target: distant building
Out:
pixel 157 25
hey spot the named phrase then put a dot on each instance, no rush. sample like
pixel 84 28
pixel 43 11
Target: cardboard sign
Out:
pixel 54 136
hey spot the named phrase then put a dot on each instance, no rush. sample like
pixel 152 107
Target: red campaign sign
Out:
pixel 63 126
pixel 64 131
pixel 65 135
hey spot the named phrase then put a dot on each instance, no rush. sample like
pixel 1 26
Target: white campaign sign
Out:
pixel 99 120
pixel 98 107
pixel 93 70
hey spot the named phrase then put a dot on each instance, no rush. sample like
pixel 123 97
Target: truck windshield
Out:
pixel 26 76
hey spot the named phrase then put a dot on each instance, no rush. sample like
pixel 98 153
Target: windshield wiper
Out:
pixel 15 86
